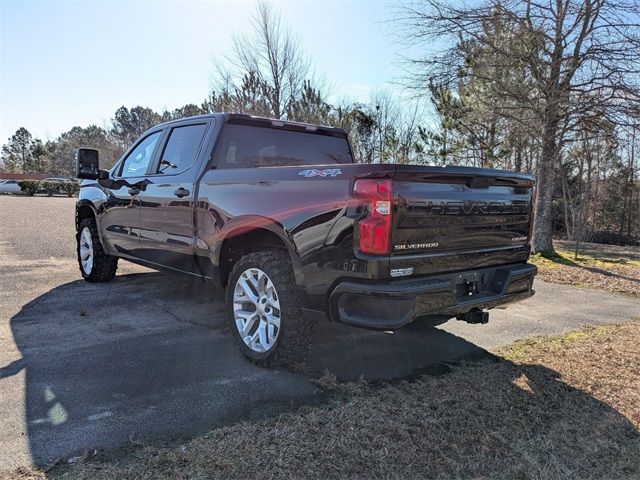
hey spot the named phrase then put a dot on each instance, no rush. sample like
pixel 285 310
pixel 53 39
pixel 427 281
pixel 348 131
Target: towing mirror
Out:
pixel 87 164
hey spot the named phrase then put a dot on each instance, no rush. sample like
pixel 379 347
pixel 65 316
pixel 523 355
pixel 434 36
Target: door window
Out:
pixel 136 163
pixel 181 149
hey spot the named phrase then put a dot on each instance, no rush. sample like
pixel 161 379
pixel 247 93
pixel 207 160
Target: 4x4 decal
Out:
pixel 327 172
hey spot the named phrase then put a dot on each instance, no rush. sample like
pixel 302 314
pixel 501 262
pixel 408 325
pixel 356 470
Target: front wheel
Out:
pixel 95 264
pixel 264 312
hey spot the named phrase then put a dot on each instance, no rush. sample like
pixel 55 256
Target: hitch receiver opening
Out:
pixel 474 316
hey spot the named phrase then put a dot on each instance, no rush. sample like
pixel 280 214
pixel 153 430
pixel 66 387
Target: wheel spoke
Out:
pixel 251 276
pixel 273 332
pixel 272 297
pixel 244 315
pixel 244 284
pixel 252 340
pixel 262 330
pixel 274 304
pixel 261 285
pixel 248 324
pixel 273 320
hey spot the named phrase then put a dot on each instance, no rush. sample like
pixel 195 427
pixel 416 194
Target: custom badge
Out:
pixel 327 172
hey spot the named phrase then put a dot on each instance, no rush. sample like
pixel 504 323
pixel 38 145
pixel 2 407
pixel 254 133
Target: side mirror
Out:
pixel 87 165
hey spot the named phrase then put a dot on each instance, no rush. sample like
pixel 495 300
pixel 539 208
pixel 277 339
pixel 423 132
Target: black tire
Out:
pixel 294 335
pixel 104 265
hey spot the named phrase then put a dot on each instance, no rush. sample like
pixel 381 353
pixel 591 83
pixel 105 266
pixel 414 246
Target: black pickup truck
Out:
pixel 279 215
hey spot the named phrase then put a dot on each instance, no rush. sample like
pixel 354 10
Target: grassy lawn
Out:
pixel 615 269
pixel 558 407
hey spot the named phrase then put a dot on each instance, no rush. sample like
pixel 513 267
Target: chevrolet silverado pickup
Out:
pixel 280 216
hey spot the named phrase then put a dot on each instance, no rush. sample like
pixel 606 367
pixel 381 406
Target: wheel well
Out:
pixel 83 212
pixel 235 247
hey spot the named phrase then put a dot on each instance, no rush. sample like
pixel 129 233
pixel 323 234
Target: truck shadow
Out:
pixel 147 357
pixel 352 353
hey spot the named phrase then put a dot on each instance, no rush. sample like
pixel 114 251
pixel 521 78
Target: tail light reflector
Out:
pixel 374 230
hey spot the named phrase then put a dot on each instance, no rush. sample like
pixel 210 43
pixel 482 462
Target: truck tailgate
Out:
pixel 457 209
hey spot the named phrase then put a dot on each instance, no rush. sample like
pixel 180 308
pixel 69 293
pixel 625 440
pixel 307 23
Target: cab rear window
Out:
pixel 242 146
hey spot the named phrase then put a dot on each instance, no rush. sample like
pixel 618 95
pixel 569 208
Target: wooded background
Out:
pixel 550 88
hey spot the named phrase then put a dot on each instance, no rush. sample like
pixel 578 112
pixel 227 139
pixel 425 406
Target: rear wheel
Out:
pixel 95 264
pixel 264 312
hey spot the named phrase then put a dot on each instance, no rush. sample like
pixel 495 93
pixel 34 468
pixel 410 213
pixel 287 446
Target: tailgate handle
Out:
pixel 480 182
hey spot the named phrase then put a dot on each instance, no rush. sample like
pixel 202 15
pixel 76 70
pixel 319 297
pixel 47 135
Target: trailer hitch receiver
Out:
pixel 474 316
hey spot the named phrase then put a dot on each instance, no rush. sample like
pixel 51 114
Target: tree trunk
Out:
pixel 623 211
pixel 518 165
pixel 568 205
pixel 542 227
pixel 632 182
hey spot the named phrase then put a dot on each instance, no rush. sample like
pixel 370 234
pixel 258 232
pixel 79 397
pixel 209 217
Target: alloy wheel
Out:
pixel 256 309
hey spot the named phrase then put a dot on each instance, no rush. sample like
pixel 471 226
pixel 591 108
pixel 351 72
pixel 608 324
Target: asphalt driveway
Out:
pixel 147 357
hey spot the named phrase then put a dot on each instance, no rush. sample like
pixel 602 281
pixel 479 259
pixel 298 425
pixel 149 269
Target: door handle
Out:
pixel 134 191
pixel 181 192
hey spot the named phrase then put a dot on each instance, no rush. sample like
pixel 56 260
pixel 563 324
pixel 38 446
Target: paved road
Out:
pixel 147 356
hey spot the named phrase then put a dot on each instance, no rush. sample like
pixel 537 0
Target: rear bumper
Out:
pixel 395 303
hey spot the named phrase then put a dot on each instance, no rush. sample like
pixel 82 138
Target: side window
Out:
pixel 181 149
pixel 136 163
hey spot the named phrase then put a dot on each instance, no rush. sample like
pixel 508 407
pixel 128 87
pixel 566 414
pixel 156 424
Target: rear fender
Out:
pixel 245 224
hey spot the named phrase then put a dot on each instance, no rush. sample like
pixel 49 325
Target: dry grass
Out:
pixel 615 269
pixel 549 408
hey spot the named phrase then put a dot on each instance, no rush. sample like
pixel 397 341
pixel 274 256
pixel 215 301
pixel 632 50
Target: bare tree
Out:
pixel 386 115
pixel 583 57
pixel 268 66
pixel 407 142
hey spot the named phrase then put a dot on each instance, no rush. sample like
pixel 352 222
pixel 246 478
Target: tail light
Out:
pixel 374 230
pixel 532 211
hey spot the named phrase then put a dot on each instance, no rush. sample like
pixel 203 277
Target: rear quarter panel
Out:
pixel 312 211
